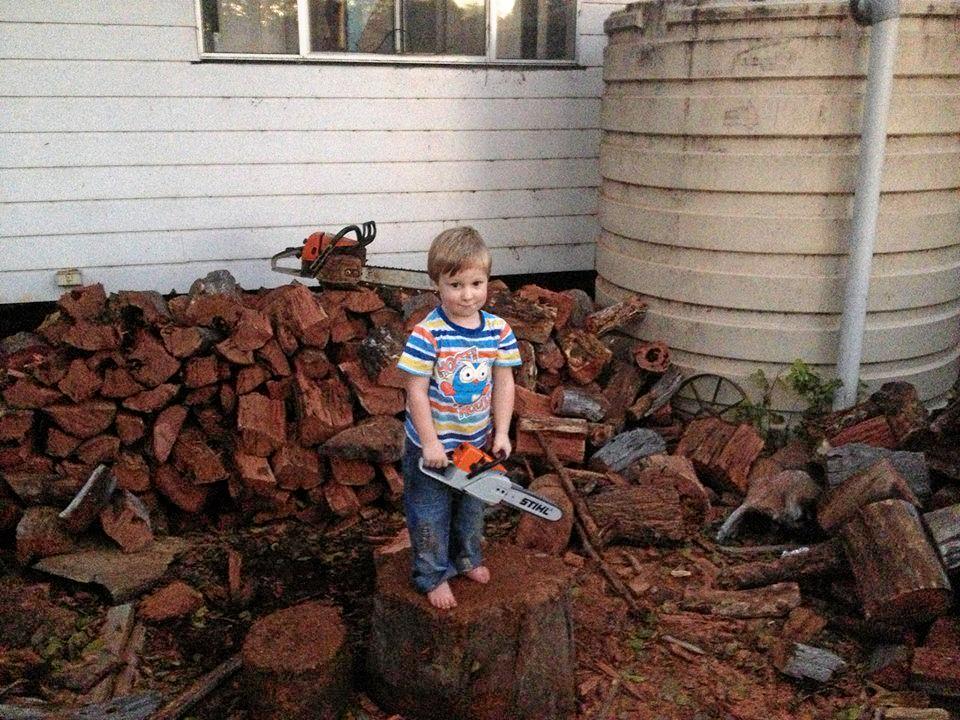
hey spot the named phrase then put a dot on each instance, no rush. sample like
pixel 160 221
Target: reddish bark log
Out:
pixel 149 401
pixel 83 420
pixel 119 383
pixel 586 355
pixel 84 303
pixel 618 316
pixel 152 364
pixel 80 383
pixel 567 437
pixel 166 430
pixel 561 303
pixel 262 424
pixel 27 394
pixel 527 319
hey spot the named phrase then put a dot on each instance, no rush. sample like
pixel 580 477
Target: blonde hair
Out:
pixel 455 249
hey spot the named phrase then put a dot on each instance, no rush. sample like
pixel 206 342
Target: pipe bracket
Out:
pixel 871 12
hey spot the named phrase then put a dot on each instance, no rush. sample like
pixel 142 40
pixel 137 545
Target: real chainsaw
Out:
pixel 476 473
pixel 340 261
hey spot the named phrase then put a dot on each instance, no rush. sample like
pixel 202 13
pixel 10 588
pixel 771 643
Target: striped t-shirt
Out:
pixel 460 364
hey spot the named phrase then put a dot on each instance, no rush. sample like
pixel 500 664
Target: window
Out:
pixel 368 30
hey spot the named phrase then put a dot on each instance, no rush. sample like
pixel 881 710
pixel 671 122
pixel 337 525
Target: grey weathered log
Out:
pixel 89 500
pixel 657 396
pixel 899 576
pixel 944 527
pixel 626 448
pixel 132 707
pixel 579 402
pixel 807 662
pixel 844 461
pixel 822 559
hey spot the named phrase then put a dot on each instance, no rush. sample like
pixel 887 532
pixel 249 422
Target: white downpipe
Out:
pixel 884 16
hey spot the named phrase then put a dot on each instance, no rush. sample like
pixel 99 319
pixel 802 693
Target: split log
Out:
pixel 521 669
pixel 549 357
pixel 770 601
pixel 261 422
pixel 296 664
pixel 657 396
pixel 375 399
pixel 622 315
pixel 586 355
pixel 567 437
pixel 842 462
pixel 627 448
pixel 898 575
pixel 806 662
pixel 721 452
pixel 527 403
pixel 620 392
pixel 126 521
pixel 378 439
pixel 563 304
pixel 880 481
pixel 527 319
pixel 825 558
pixel 652 356
pixel 578 402
pixel 526 374
pixel 92 498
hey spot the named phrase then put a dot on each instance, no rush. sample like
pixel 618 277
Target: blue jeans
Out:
pixel 446 526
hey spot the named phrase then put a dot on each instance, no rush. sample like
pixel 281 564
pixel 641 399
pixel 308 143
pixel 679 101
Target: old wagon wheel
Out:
pixel 708 395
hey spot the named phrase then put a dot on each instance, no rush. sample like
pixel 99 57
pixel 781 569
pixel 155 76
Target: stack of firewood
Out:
pixel 277 402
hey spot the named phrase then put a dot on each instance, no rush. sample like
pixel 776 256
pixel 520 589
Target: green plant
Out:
pixel 811 388
pixel 760 414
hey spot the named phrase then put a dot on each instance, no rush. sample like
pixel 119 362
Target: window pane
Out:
pixel 366 26
pixel 250 26
pixel 536 29
pixel 444 27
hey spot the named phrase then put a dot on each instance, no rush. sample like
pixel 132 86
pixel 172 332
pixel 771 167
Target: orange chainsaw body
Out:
pixel 467 457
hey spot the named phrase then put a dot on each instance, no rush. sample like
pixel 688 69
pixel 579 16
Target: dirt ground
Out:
pixel 667 664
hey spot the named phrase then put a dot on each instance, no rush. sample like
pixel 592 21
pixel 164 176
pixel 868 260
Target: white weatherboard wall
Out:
pixel 124 156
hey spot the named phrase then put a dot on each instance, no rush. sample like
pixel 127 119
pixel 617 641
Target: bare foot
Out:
pixel 441 597
pixel 479 574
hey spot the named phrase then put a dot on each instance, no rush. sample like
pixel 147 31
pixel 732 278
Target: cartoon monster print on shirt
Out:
pixel 465 378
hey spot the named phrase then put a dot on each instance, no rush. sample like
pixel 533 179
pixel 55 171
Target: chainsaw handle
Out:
pixel 484 466
pixel 365 235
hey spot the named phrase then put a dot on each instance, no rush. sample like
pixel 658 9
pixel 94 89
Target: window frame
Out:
pixel 355 58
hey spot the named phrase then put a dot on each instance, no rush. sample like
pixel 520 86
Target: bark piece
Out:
pixel 83 420
pixel 126 520
pixel 880 481
pixel 378 439
pixel 261 423
pixel 176 600
pixel 521 669
pixel 626 449
pixel 620 392
pixel 771 601
pixel 657 397
pixel 567 437
pixel 622 315
pixel 80 383
pixel 898 574
pixel 586 355
pixel 706 443
pixel 296 664
pixel 540 535
pixel 526 374
pixel 527 319
pixel 92 498
pixel 181 492
pixel 806 662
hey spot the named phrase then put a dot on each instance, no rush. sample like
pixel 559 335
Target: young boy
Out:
pixel 459 360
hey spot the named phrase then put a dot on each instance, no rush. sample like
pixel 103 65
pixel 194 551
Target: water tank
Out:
pixel 728 159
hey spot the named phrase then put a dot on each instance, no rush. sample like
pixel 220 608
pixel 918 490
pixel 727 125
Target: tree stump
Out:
pixel 505 651
pixel 296 664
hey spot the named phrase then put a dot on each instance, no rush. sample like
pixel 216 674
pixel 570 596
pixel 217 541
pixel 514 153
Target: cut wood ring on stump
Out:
pixel 708 395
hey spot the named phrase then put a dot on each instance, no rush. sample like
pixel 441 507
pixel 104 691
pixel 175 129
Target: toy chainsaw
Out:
pixel 340 261
pixel 476 473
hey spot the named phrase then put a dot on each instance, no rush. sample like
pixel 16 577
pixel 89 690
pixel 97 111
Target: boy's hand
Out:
pixel 434 455
pixel 501 447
